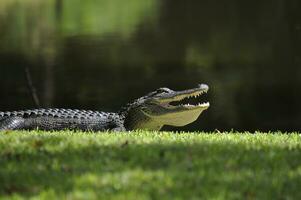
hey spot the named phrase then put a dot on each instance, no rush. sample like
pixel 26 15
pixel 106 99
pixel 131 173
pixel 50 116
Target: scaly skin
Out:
pixel 149 112
pixel 60 119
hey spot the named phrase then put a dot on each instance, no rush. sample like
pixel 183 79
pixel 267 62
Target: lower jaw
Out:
pixel 188 107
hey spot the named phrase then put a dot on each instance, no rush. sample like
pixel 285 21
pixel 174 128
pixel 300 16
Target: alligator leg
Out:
pixel 12 123
pixel 118 129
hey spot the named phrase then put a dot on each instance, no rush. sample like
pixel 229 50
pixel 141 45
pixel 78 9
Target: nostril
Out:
pixel 203 86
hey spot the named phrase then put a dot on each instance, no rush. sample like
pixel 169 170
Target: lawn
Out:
pixel 149 165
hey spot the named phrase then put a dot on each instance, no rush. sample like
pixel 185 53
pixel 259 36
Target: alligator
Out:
pixel 150 112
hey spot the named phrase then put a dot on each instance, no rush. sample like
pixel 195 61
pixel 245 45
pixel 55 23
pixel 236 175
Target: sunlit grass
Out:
pixel 150 165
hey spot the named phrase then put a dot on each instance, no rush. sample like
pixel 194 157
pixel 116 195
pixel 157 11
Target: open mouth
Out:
pixel 189 99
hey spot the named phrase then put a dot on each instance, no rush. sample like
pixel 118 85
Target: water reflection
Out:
pixel 101 54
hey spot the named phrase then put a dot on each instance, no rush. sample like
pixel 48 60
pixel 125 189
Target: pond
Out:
pixel 102 54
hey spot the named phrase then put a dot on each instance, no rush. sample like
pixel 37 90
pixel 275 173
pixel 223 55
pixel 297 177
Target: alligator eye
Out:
pixel 163 90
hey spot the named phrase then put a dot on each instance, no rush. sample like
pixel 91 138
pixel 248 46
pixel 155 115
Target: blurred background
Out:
pixel 102 54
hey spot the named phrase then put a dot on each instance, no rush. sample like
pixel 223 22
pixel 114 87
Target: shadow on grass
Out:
pixel 157 171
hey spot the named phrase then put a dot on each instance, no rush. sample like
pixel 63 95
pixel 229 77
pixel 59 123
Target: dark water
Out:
pixel 101 54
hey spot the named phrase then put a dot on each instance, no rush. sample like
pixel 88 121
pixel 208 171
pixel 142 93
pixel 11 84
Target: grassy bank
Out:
pixel 150 165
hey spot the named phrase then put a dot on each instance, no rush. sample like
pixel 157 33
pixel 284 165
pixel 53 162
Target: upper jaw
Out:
pixel 180 95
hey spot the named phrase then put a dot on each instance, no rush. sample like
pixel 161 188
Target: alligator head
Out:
pixel 163 107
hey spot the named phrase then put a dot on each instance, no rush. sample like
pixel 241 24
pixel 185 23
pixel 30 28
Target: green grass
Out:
pixel 150 165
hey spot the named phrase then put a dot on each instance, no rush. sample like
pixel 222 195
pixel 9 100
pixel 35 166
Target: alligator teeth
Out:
pixel 204 104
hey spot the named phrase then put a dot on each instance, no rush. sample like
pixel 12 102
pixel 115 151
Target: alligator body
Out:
pixel 150 112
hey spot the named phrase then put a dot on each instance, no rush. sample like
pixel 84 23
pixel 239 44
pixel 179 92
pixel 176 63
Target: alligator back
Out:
pixel 56 113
